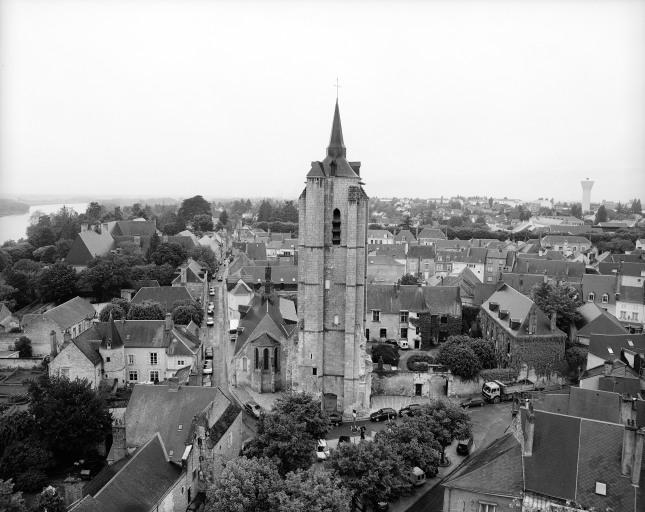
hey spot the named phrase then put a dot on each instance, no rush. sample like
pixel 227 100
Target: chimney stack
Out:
pixel 53 347
pixel 554 319
pixel 168 325
pixel 67 337
pixel 609 366
pixel 632 455
pixel 529 431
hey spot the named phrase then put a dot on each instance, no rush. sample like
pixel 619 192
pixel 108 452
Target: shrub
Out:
pixel 419 362
pixel 460 358
pixel 23 346
pixel 389 354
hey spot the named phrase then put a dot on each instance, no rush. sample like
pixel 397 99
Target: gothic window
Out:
pixel 276 359
pixel 335 227
pixel 257 359
pixel 266 358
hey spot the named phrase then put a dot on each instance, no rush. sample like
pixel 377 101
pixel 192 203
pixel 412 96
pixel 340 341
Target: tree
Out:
pixel 106 276
pixel 5 260
pixel 223 220
pixel 58 283
pixel 409 279
pixel 460 358
pixel 202 222
pixel 265 212
pixel 313 491
pixel 576 359
pixel 413 441
pixel 41 234
pixel 10 501
pixel 192 206
pixel 116 311
pixel 93 212
pixel 576 210
pixel 373 472
pixel 490 202
pixel 169 252
pixel 164 274
pixel 62 247
pixel 185 313
pixel 244 484
pixel 70 416
pixel 146 311
pixel 449 421
pixel 290 432
pixel 389 354
pixel 154 245
pixel 20 251
pixel 636 206
pixel 485 352
pixel 601 214
pixel 205 257
pixel 46 254
pixel 27 461
pixel 23 346
pixel 559 299
pixel 49 501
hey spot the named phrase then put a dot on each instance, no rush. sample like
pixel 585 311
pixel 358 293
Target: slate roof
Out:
pixel 497 469
pixel 431 233
pixel 599 285
pixel 241 288
pixel 262 315
pixel 287 274
pixel 167 296
pixel 133 228
pixel 288 310
pixel 379 233
pixel 523 283
pixel 155 409
pixel 568 270
pixel 390 299
pixel 383 260
pixel 405 235
pixel 571 454
pixel 599 344
pixel 425 252
pixel 142 482
pixel 597 320
pixel 256 250
pixel 397 251
pixel 90 350
pixel 88 245
pixel 626 268
pixel 71 312
pixel 551 240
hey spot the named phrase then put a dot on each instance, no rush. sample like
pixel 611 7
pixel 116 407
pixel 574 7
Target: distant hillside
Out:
pixel 11 207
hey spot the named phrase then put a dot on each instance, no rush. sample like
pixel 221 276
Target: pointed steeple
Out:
pixel 336 146
pixel 113 337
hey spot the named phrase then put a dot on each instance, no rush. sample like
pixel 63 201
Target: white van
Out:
pixel 403 344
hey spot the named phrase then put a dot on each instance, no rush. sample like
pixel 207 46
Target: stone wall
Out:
pixel 457 500
pixel 26 362
pixel 433 385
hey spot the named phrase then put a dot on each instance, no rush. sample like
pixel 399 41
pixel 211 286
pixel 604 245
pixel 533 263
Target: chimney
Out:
pixel 529 431
pixel 554 319
pixel 53 347
pixel 126 293
pixel 173 384
pixel 632 455
pixel 182 272
pixel 609 366
pixel 168 325
pixel 67 337
pixel 104 228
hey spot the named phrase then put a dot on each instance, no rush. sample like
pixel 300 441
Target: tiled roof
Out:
pixel 397 251
pixel 523 283
pixel 142 482
pixel 497 469
pixel 379 233
pixel 288 310
pixel 90 349
pixel 404 235
pixel 390 299
pixel 167 296
pixel 241 288
pixel 256 250
pixel 154 408
pixel 133 228
pixel 552 268
pixel 287 274
pixel 597 320
pixel 71 312
pixel 551 240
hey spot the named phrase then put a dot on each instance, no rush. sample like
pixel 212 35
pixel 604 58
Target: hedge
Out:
pixel 503 374
pixel 419 362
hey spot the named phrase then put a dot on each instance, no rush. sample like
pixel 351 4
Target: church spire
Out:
pixel 336 146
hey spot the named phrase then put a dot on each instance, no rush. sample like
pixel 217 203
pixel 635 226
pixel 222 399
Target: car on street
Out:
pixel 208 353
pixel 403 344
pixel 335 418
pixel 472 402
pixel 253 408
pixel 409 410
pixel 464 446
pixel 208 367
pixel 322 450
pixel 220 278
pixel 382 506
pixel 212 291
pixel 383 414
pixel 211 310
pixel 210 322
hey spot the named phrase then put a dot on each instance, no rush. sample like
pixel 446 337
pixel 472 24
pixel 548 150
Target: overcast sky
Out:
pixel 518 98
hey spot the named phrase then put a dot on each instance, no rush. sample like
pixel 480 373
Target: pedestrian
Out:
pixel 362 432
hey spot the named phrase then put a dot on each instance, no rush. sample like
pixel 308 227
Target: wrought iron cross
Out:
pixel 337 87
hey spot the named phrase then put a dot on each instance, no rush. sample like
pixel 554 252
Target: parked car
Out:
pixel 211 311
pixel 208 353
pixel 210 322
pixel 322 450
pixel 212 291
pixel 464 446
pixel 403 344
pixel 392 342
pixel 335 418
pixel 253 408
pixel 383 414
pixel 409 410
pixel 382 506
pixel 472 402
pixel 220 278
pixel 208 367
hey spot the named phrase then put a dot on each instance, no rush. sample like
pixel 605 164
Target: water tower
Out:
pixel 586 195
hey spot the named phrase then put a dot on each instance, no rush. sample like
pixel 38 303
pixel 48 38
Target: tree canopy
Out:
pixel 58 283
pixel 560 299
pixel 192 206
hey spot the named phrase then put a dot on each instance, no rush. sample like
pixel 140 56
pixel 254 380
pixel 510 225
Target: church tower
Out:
pixel 332 263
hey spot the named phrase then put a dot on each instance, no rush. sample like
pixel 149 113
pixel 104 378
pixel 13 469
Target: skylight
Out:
pixel 630 343
pixel 610 350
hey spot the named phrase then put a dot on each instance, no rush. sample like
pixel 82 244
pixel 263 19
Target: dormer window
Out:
pixel 605 298
pixel 335 227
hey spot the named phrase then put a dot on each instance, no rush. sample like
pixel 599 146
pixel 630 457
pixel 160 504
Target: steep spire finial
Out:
pixel 336 146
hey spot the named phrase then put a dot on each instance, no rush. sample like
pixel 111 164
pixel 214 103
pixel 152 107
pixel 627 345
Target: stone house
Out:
pixel 392 309
pixel 595 320
pixel 47 330
pixel 180 437
pixel 240 295
pixel 130 351
pixel 498 261
pixel 429 236
pixel 568 245
pixel 384 269
pixel 602 290
pixel 265 332
pixel 79 359
pixel 7 319
pixel 194 278
pixel 421 261
pixel 630 302
pixel 167 296
pixel 522 332
pixel 379 236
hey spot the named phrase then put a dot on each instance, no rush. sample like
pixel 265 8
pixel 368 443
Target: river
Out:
pixel 13 227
